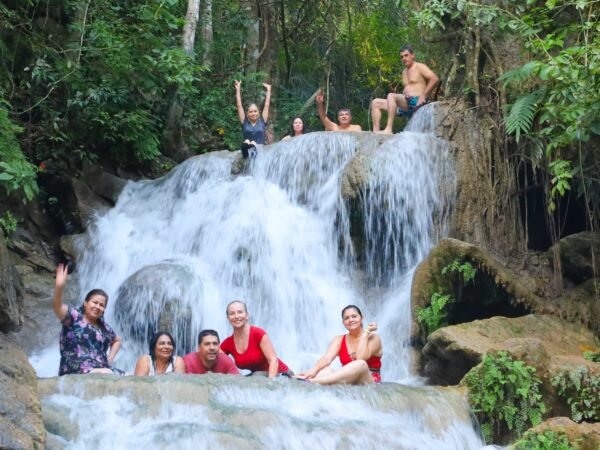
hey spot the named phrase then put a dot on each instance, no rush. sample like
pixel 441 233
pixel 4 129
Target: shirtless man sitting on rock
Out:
pixel 344 117
pixel 418 79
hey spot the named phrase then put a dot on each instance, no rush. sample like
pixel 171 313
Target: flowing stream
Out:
pixel 311 225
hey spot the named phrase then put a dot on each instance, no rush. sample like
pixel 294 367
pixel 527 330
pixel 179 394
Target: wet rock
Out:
pixel 32 250
pixel 85 203
pixel 106 185
pixel 539 340
pixel 11 293
pixel 576 253
pixel 21 425
pixel 585 436
pixel 146 303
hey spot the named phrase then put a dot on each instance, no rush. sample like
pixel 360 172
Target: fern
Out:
pixel 522 112
pixel 520 74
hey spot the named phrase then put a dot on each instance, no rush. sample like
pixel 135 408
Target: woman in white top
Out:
pixel 161 358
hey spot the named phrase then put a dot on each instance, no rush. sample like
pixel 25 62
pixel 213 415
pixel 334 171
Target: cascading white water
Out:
pixel 279 237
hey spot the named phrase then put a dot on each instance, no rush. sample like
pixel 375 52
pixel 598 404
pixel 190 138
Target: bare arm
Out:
pixel 179 366
pixel 238 100
pixel 369 344
pixel 265 112
pixel 115 346
pixel 326 359
pixel 328 124
pixel 142 367
pixel 60 309
pixel 267 349
pixel 432 80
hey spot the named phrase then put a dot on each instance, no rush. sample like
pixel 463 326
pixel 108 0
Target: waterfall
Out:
pixel 282 236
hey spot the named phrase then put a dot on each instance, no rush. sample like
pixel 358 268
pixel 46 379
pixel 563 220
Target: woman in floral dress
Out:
pixel 85 339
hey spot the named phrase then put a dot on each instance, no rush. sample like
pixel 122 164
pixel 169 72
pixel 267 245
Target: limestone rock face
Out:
pixel 542 341
pixel 11 293
pixel 104 184
pixel 576 253
pixel 585 435
pixel 21 425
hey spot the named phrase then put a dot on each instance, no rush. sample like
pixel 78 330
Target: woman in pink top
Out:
pixel 359 351
pixel 250 346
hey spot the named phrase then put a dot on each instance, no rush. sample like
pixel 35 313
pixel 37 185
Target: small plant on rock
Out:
pixel 548 440
pixel 505 394
pixel 581 389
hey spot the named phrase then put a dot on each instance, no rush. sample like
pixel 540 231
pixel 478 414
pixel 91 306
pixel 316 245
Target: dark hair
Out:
pixel 154 340
pixel 236 301
pixel 408 48
pixel 352 307
pixel 251 104
pixel 292 133
pixel 207 333
pixel 344 110
pixel 87 298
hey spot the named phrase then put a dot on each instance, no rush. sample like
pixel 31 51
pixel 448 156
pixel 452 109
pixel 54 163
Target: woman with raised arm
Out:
pixel 85 337
pixel 254 127
pixel 359 351
pixel 161 358
pixel 250 346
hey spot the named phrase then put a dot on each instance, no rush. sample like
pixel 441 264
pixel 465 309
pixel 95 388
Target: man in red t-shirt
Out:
pixel 208 358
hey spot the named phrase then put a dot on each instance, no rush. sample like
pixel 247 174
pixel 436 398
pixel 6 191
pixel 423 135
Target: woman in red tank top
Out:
pixel 250 346
pixel 359 351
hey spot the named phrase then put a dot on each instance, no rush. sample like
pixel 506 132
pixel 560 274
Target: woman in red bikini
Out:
pixel 359 351
pixel 250 346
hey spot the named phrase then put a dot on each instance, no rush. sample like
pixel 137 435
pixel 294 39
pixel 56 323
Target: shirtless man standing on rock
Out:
pixel 418 79
pixel 344 117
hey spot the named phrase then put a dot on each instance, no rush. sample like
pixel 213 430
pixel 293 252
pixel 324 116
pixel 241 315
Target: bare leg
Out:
pixel 356 372
pixel 393 102
pixel 105 371
pixel 377 105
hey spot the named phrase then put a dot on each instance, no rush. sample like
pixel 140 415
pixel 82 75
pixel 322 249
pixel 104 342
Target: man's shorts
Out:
pixel 412 106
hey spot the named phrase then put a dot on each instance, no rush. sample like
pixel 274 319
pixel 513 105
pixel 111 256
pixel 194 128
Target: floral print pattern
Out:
pixel 83 346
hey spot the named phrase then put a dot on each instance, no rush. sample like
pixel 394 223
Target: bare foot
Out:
pixel 387 131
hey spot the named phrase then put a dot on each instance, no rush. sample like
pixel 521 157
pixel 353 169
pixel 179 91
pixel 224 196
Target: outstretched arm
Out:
pixel 238 100
pixel 328 124
pixel 267 349
pixel 326 359
pixel 265 112
pixel 60 309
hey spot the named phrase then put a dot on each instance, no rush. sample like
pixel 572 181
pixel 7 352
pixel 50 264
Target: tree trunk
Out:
pixel 207 32
pixel 252 46
pixel 189 29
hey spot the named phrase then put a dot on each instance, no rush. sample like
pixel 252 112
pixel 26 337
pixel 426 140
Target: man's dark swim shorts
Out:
pixel 412 106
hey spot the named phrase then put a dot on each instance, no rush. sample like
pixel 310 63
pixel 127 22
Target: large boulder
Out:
pixel 104 184
pixel 579 255
pixel 161 296
pixel 21 425
pixel 11 293
pixel 585 436
pixel 548 343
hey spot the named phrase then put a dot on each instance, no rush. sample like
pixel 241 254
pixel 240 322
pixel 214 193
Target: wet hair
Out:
pixel 292 133
pixel 236 301
pixel 352 307
pixel 341 110
pixel 207 333
pixel 407 48
pixel 154 339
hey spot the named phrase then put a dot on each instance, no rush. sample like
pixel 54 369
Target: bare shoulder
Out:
pixel 355 128
pixel 423 69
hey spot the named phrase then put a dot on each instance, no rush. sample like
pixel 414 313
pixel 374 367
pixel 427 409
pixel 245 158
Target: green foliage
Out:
pixel 434 316
pixel 548 440
pixel 561 173
pixel 16 173
pixel 581 390
pixel 592 356
pixel 8 224
pixel 464 268
pixel 504 394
